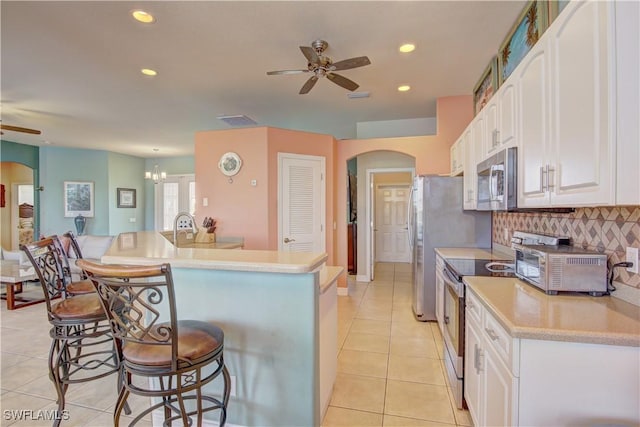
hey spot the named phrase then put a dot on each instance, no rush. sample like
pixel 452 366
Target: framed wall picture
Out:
pixel 78 199
pixel 486 86
pixel 522 37
pixel 126 197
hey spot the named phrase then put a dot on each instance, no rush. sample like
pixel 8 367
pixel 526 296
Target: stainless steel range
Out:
pixel 453 271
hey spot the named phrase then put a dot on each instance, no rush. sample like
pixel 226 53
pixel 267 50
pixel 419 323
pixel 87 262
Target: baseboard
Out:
pixel 158 420
pixel 343 292
pixel 362 278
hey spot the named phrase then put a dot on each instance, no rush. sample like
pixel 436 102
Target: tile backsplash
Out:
pixel 605 229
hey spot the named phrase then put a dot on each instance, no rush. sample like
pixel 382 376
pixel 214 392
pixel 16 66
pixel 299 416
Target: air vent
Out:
pixel 356 95
pixel 584 261
pixel 238 120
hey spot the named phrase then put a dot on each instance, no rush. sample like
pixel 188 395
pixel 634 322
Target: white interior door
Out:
pixel 301 211
pixel 391 227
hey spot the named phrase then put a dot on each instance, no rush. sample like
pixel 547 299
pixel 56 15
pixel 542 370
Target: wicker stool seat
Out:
pixel 82 348
pixel 180 357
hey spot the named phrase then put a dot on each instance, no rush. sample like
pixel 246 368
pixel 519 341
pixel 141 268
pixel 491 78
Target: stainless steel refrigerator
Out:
pixel 436 219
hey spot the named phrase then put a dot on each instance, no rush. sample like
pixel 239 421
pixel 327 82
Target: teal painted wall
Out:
pixel 172 166
pixel 58 165
pixel 29 156
pixel 126 172
pixel 108 171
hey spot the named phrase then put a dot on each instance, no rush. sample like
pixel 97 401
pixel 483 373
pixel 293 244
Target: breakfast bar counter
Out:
pixel 277 312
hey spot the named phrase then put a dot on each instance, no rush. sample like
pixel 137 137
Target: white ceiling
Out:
pixel 72 69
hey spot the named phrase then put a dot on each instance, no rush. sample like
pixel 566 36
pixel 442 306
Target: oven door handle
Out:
pixel 451 281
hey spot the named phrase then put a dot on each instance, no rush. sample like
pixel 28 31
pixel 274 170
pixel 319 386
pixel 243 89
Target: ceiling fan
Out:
pixel 322 66
pixel 18 129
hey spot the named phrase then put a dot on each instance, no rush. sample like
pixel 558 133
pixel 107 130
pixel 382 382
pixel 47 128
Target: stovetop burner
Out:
pixel 478 267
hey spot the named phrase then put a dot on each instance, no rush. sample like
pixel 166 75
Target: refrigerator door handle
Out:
pixel 409 220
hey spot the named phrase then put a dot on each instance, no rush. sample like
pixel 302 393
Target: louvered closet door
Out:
pixel 302 209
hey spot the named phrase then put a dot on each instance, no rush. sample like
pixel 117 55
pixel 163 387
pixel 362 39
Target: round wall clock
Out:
pixel 230 164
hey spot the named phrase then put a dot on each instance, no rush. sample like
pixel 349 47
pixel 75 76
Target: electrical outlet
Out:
pixel 233 385
pixel 205 201
pixel 632 256
pixel 132 219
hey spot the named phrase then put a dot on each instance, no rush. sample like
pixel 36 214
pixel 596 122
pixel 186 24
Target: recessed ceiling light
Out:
pixel 408 47
pixel 142 16
pixel 148 72
pixel 403 88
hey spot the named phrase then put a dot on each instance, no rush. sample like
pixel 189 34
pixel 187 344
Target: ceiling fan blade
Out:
pixel 308 85
pixel 347 64
pixel 20 129
pixel 310 54
pixel 276 73
pixel 343 81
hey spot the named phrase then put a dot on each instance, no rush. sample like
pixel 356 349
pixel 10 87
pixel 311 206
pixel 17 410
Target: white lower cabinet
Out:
pixel 535 382
pixel 490 385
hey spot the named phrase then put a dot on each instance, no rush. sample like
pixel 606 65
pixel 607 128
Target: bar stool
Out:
pixel 78 287
pixel 175 354
pixel 82 348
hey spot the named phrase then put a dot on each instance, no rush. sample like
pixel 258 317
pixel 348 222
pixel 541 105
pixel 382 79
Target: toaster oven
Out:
pixel 562 268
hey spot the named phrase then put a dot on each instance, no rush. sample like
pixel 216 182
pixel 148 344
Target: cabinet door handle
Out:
pixel 470 305
pixel 492 334
pixel 477 358
pixel 549 181
pixel 497 138
pixel 288 240
pixel 543 185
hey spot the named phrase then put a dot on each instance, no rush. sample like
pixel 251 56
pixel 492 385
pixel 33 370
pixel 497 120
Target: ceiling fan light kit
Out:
pixel 322 66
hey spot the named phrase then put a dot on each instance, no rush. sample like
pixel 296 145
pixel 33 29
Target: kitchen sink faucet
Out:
pixel 192 221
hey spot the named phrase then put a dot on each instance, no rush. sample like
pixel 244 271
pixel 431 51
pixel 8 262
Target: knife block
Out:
pixel 204 237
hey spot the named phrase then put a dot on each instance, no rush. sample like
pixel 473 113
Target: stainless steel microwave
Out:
pixel 497 178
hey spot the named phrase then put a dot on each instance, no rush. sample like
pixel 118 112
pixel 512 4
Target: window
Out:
pixel 175 194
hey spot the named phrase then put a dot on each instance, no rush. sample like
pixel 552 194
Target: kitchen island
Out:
pixel 276 310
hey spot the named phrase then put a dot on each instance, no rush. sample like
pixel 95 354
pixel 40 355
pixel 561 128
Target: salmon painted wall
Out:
pixel 252 211
pixel 238 207
pixel 453 114
pixel 296 142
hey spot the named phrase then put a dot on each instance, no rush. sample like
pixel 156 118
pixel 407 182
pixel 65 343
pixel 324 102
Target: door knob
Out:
pixel 288 240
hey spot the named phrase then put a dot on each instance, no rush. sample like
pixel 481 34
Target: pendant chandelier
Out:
pixel 156 175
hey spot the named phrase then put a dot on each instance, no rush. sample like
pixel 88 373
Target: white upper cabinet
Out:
pixel 490 112
pixel 500 120
pixel 470 178
pixel 566 87
pixel 457 157
pixel 628 97
pixel 533 125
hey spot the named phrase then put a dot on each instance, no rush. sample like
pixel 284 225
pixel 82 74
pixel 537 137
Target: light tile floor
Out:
pixel 390 368
pixel 24 376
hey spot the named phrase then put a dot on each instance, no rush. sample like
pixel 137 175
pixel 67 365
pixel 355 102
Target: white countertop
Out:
pixel 150 247
pixel 473 253
pixel 527 312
